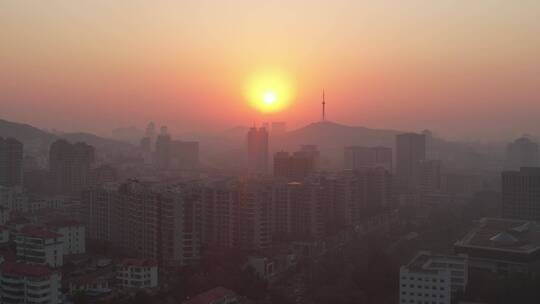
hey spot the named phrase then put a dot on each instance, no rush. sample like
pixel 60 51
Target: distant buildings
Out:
pixel 430 278
pixel 257 147
pixel 170 154
pixel 26 283
pixel 70 165
pixel 163 150
pixel 296 166
pixel 11 162
pixel 523 152
pixel 410 151
pixel 184 155
pixel 357 157
pixel 503 246
pixel 521 194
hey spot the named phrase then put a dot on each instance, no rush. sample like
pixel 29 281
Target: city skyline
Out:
pixel 404 66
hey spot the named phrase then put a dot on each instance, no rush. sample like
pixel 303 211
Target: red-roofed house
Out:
pixel 138 273
pixel 39 246
pixel 218 295
pixel 29 283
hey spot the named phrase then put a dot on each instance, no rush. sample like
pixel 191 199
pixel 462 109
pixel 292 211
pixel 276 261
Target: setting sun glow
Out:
pixel 269 92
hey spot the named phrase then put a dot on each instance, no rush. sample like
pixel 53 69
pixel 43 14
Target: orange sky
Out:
pixel 461 68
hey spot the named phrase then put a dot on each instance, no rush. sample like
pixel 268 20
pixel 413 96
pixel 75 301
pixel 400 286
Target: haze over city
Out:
pixel 269 152
pixel 462 69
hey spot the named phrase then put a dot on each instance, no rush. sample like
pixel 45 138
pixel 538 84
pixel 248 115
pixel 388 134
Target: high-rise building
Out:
pixel 410 150
pixel 429 176
pixel 11 162
pixel 253 215
pixel 184 155
pixel 150 133
pixel 521 194
pixel 296 167
pixel 69 166
pixel 163 150
pixel 40 246
pixel 219 203
pixel 523 152
pixel 357 157
pixel 29 283
pixel 361 193
pixel 257 146
pixel 148 221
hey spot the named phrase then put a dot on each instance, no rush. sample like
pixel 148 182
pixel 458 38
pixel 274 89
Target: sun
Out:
pixel 269 98
pixel 269 91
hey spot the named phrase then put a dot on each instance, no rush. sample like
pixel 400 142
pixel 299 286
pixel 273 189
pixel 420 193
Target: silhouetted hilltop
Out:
pixel 326 133
pixel 34 138
pixel 24 133
pixel 332 138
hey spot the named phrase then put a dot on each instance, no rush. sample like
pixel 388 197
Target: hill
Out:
pixel 36 139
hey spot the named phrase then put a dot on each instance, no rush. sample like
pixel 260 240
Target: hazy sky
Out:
pixel 462 68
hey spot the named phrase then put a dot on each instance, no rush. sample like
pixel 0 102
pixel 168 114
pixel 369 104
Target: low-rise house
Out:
pixel 138 273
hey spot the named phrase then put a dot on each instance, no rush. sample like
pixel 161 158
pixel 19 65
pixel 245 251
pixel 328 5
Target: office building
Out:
pixel 430 278
pixel 163 150
pixel 410 150
pixel 357 157
pixel 257 148
pixel 69 166
pixel 295 167
pixel 521 194
pixel 502 246
pixel 523 152
pixel 11 162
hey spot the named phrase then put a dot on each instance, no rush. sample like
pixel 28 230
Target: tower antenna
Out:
pixel 323 107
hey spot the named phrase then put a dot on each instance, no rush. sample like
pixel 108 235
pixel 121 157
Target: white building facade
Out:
pixel 138 273
pixel 39 246
pixel 432 279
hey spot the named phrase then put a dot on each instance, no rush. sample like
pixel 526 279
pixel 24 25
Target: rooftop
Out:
pixel 210 296
pixel 424 262
pixel 510 235
pixel 138 263
pixel 24 269
pixel 37 232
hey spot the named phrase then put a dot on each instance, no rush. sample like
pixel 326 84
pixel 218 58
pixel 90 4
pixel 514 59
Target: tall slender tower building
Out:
pixel 410 152
pixel 163 149
pixel 11 159
pixel 257 145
